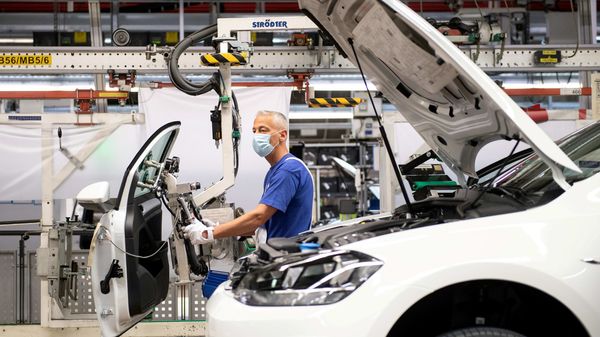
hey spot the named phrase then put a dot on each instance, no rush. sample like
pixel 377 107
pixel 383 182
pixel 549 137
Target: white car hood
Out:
pixel 449 100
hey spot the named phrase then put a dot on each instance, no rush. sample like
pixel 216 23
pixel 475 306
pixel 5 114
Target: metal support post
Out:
pixel 587 16
pixel 362 190
pixel 96 39
pixel 387 179
pixel 181 21
pixel 46 302
pixel 213 13
pixel 318 192
pixel 21 268
pixel 114 15
pixel 184 292
pixel 221 186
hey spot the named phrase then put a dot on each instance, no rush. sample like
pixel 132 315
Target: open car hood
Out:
pixel 449 100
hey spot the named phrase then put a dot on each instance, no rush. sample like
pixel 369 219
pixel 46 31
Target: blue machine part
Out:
pixel 309 247
pixel 212 281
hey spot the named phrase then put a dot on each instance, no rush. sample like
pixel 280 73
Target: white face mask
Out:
pixel 262 143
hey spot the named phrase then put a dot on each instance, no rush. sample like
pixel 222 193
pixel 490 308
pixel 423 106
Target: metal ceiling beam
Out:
pixel 97 41
pixel 270 60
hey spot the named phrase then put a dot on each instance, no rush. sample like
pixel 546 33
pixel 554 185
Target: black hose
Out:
pixel 236 141
pixel 175 75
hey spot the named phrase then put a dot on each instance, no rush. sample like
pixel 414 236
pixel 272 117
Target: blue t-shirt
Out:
pixel 288 187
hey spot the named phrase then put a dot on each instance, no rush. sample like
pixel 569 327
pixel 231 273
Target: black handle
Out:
pixel 197 264
pixel 114 271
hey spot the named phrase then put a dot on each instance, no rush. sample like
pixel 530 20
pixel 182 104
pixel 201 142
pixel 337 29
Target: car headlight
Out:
pixel 323 278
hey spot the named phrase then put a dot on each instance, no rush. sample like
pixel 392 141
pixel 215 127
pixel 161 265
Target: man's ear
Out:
pixel 284 134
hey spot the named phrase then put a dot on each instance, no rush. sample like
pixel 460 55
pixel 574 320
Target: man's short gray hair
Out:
pixel 279 119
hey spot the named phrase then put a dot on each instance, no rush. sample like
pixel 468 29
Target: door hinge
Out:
pixel 106 312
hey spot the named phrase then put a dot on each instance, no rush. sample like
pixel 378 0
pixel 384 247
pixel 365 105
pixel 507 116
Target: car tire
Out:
pixel 481 332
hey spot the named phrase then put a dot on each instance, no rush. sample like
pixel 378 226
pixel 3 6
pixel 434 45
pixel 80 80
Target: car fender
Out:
pixel 542 248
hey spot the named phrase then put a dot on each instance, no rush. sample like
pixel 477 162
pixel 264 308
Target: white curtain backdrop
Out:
pixel 21 173
pixel 20 146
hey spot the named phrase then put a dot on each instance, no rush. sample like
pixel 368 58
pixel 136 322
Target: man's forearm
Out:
pixel 251 233
pixel 242 225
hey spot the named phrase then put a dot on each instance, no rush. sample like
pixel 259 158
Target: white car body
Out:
pixel 543 248
pixel 553 248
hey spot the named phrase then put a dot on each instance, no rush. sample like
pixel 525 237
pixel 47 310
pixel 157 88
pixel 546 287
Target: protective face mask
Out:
pixel 262 145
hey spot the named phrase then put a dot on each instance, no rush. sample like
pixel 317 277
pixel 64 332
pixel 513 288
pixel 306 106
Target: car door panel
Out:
pixel 129 260
pixel 148 278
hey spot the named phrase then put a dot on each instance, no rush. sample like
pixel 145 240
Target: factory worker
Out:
pixel 285 208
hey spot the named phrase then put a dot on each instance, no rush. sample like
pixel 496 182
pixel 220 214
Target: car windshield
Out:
pixel 533 177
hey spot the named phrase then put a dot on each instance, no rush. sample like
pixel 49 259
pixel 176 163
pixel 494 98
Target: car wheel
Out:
pixel 481 332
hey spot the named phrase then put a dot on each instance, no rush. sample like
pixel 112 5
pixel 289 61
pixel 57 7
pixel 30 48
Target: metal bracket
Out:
pixel 152 50
pixel 123 81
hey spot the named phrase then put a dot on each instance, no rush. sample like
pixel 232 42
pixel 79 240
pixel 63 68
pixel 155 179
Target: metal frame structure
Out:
pixel 359 180
pixel 278 60
pixel 242 26
pixel 60 61
pixel 50 246
pixel 226 26
pixel 228 179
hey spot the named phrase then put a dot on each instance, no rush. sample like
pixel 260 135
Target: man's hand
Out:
pixel 198 233
pixel 210 223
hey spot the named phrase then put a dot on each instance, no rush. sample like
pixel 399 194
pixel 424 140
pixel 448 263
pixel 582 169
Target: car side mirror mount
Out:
pixel 95 197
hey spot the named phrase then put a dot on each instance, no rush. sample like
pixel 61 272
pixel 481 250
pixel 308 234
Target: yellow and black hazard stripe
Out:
pixel 215 59
pixel 334 102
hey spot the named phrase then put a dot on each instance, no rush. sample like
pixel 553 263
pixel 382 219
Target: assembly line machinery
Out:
pixel 55 265
pixel 122 64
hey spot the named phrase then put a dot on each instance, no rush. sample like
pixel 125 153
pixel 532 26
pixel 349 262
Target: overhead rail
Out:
pixel 267 60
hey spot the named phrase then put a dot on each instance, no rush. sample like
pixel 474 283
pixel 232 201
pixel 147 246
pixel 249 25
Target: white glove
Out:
pixel 198 233
pixel 210 223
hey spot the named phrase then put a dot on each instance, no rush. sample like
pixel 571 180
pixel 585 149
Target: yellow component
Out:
pixel 334 102
pixel 35 60
pixel 116 94
pixel 230 58
pixel 210 59
pixel 253 36
pixel 172 37
pixel 217 58
pixel 348 216
pixel 80 37
pixel 549 52
pixel 548 60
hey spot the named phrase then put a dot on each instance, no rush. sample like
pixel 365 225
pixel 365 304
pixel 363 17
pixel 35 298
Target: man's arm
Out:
pixel 246 223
